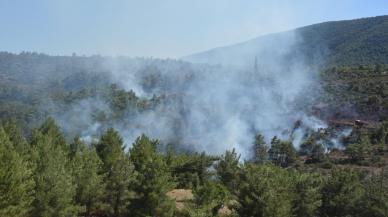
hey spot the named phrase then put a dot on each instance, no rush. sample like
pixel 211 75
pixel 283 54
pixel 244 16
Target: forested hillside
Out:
pixel 299 130
pixel 339 43
pixel 47 176
pixel 29 81
pixel 348 43
pixel 36 86
pixel 61 174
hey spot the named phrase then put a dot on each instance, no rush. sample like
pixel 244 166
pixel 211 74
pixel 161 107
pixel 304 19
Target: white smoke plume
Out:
pixel 336 141
pixel 214 106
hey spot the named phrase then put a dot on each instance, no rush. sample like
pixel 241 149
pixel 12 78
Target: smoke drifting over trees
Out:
pixel 210 101
pixel 264 128
pixel 207 107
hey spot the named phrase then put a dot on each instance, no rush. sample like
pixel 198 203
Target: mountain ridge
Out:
pixel 361 41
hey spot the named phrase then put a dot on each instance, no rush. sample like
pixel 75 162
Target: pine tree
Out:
pixel 282 153
pixel 265 191
pixel 376 195
pixel 153 181
pixel 210 198
pixel 312 149
pixel 16 181
pixel 342 194
pixel 308 198
pixel 360 150
pixel 118 173
pixel 228 170
pixel 260 150
pixel 50 128
pixel 86 167
pixel 16 137
pixel 55 188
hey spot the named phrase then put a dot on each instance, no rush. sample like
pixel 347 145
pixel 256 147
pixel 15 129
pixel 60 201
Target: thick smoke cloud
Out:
pixel 263 87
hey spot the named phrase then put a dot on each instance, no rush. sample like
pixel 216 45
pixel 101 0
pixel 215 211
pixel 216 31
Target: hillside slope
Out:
pixel 350 42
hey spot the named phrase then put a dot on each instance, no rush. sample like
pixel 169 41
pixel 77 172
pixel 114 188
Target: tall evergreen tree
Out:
pixel 86 168
pixel 282 153
pixel 118 172
pixel 342 194
pixel 265 191
pixel 307 198
pixel 228 170
pixel 360 150
pixel 209 199
pixel 260 150
pixel 376 195
pixel 55 188
pixel 16 137
pixel 16 181
pixel 191 170
pixel 153 181
pixel 51 129
pixel 312 149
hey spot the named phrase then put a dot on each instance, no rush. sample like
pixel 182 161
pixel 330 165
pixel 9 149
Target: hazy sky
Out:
pixel 160 28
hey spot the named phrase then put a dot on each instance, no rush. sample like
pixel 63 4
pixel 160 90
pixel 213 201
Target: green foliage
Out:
pixel 265 191
pixel 228 170
pixel 123 102
pixel 359 151
pixel 118 172
pixel 308 198
pixel 349 42
pixel 210 198
pixel 376 195
pixel 342 194
pixel 54 178
pixel 153 180
pixel 16 182
pixel 351 92
pixel 52 130
pixel 192 170
pixel 110 148
pixel 380 137
pixel 212 194
pixel 55 189
pixel 282 153
pixel 16 137
pixel 86 168
pixel 312 149
pixel 260 150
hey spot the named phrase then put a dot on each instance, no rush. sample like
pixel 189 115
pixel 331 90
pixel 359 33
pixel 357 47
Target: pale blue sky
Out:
pixel 160 28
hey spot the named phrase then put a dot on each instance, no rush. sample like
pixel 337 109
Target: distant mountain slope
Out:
pixel 351 42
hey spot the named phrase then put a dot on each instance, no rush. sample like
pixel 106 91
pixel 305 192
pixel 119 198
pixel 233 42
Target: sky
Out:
pixel 160 28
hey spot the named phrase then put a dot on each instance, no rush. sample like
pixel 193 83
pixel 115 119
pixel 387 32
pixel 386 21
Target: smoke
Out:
pixel 262 87
pixel 337 140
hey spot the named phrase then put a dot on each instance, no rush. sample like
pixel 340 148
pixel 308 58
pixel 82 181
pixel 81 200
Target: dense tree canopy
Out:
pixel 45 175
